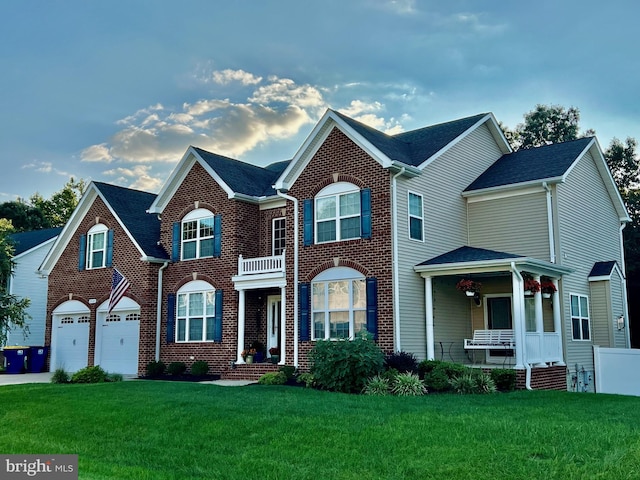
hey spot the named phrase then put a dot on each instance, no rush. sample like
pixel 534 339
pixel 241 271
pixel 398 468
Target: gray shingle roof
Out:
pixel 131 206
pixel 24 241
pixel 243 177
pixel 416 146
pixel 550 161
pixel 602 269
pixel 468 254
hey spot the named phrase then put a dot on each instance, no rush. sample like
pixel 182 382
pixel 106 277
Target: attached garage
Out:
pixel 118 337
pixel 70 336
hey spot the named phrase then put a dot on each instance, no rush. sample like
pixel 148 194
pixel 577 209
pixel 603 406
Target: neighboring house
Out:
pixel 361 231
pixel 30 249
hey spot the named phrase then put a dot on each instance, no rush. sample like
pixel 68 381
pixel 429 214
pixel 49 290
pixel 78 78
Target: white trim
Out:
pixel 273 235
pixel 195 286
pixel 336 191
pixel 580 317
pixel 509 190
pixel 410 216
pixel 98 229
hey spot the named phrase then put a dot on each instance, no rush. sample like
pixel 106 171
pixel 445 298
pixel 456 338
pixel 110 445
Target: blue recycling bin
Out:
pixel 15 357
pixel 36 359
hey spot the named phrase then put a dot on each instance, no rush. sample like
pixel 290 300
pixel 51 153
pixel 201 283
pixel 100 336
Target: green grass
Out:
pixel 164 430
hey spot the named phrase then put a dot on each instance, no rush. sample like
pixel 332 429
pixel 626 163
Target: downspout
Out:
pixel 625 305
pixel 295 273
pixel 552 243
pixel 396 289
pixel 159 311
pixel 526 364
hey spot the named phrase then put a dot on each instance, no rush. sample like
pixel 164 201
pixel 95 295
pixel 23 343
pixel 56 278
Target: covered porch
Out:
pixel 479 311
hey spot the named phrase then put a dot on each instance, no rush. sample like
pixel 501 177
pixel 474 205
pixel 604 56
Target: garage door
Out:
pixel 70 345
pixel 117 338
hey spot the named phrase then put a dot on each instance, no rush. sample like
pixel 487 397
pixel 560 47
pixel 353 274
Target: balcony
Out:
pixel 260 272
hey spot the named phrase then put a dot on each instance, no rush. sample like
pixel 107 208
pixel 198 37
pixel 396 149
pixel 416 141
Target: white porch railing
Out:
pixel 258 265
pixel 549 352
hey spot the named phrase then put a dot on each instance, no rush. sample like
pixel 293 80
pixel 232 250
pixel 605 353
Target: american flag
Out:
pixel 119 286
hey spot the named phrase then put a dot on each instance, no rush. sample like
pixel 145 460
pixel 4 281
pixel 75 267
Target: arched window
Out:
pixel 338 304
pixel 197 234
pixel 337 212
pixel 97 246
pixel 195 313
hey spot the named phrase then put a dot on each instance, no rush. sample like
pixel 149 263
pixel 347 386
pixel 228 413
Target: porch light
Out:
pixel 620 322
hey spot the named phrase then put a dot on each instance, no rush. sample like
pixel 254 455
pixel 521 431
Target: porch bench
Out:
pixel 490 339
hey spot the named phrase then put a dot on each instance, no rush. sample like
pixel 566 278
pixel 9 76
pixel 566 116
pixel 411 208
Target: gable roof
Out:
pixel 548 162
pixel 128 206
pixel 25 241
pixel 603 270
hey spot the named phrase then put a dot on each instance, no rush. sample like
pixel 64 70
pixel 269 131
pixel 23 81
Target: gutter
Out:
pixel 625 304
pixel 396 289
pixel 159 310
pixel 295 273
pixel 552 246
pixel 526 364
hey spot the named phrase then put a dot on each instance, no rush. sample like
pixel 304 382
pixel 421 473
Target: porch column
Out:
pixel 282 327
pixel 428 296
pixel 241 314
pixel 517 287
pixel 537 299
pixel 557 321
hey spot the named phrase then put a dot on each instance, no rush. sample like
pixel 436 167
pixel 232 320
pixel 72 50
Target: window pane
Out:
pixel 206 227
pixel 182 305
pixel 189 230
pixel 339 324
pixel 210 328
pixel 318 296
pixel 318 325
pixel 359 294
pixel 349 228
pixel 325 208
pixel 359 321
pixel 338 295
pixel 415 228
pixel 585 329
pixel 210 302
pixel 182 326
pixel 575 327
pixel 326 231
pixel 196 306
pixel 415 205
pixel 530 314
pixel 97 241
pixel 206 247
pixel 584 309
pixel 97 259
pixel 575 309
pixel 350 204
pixel 188 250
pixel 195 329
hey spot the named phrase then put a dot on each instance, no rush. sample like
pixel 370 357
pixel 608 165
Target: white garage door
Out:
pixel 117 340
pixel 70 342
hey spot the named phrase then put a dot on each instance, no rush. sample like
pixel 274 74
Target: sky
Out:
pixel 116 91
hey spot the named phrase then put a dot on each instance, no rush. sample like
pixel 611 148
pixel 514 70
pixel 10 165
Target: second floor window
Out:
pixel 279 235
pixel 416 219
pixel 580 327
pixel 97 247
pixel 337 210
pixel 197 235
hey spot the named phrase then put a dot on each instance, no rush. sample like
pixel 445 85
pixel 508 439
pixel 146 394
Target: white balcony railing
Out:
pixel 549 351
pixel 259 265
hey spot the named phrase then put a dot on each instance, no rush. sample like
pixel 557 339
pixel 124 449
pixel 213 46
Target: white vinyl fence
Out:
pixel 617 370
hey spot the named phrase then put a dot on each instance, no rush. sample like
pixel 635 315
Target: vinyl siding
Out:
pixel 588 231
pixel 515 224
pixel 617 309
pixel 445 228
pixel 601 313
pixel 452 320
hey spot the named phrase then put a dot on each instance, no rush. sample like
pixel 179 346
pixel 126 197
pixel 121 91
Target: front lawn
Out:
pixel 165 430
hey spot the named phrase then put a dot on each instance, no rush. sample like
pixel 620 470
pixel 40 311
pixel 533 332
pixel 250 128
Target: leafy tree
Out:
pixel 58 209
pixel 13 312
pixel 23 217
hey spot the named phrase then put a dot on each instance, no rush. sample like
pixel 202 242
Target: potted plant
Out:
pixel 259 351
pixel 275 354
pixel 248 354
pixel 531 286
pixel 548 288
pixel 468 286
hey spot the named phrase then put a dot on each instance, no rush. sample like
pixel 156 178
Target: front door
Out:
pixel 498 315
pixel 274 310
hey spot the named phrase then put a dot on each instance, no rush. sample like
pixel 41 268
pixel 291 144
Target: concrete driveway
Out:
pixel 17 378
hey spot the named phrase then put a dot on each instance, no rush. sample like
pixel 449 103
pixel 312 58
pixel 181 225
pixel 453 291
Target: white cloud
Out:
pixel 97 153
pixel 44 167
pixel 141 175
pixel 227 76
pixel 366 113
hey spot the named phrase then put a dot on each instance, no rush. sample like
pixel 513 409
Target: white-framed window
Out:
pixel 338 304
pixel 197 234
pixel 580 324
pixel 195 313
pixel 337 213
pixel 97 247
pixel 278 235
pixel 416 217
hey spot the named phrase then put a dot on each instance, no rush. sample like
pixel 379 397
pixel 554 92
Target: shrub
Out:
pixel 199 368
pixel 307 378
pixel 155 369
pixel 427 366
pixel 273 378
pixel 345 365
pixel 485 383
pixel 505 379
pixel 288 370
pixel 408 384
pixel 176 368
pixel 473 382
pixel 437 380
pixel 377 385
pixel 60 376
pixel 114 377
pixel 402 362
pixel 93 374
pixel 438 374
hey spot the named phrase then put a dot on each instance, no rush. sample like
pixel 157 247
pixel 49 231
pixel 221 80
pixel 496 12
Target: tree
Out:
pixel 58 209
pixel 13 310
pixel 23 217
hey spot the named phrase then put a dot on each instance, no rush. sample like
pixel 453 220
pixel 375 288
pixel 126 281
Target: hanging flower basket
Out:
pixel 548 288
pixel 531 286
pixel 468 286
